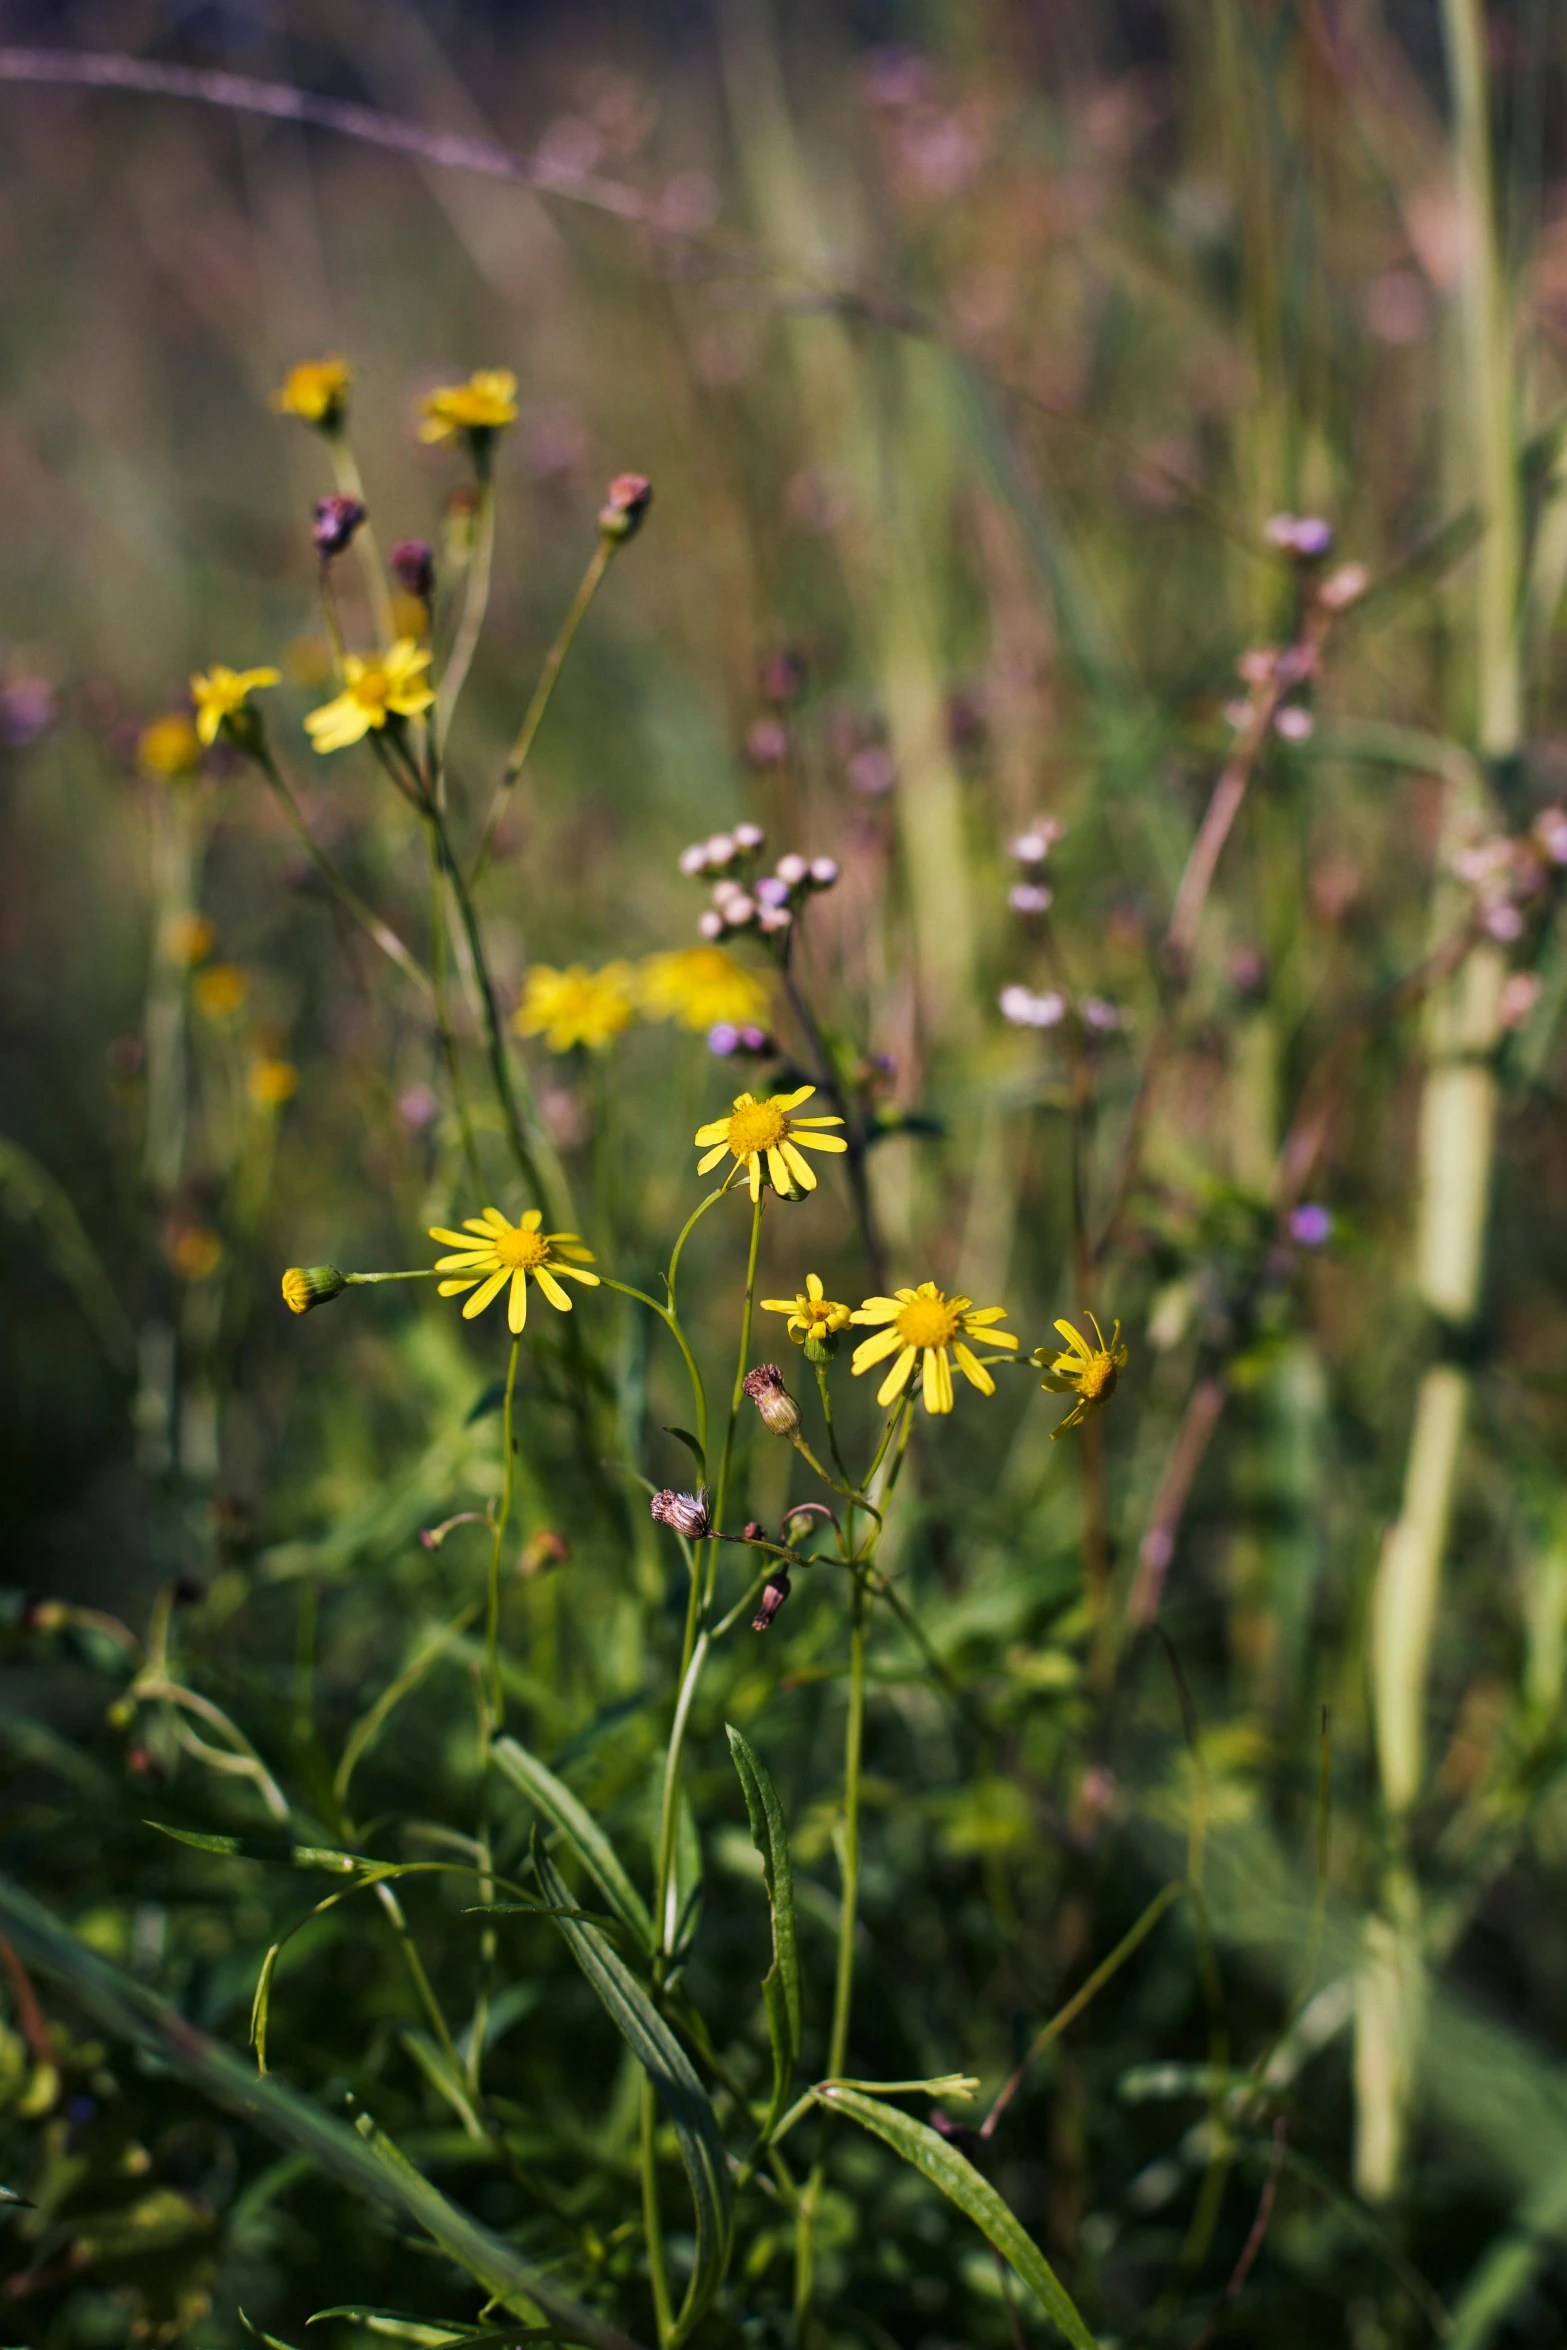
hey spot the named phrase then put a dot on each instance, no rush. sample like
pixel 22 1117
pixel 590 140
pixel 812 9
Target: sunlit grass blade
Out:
pixel 575 1823
pixel 781 1983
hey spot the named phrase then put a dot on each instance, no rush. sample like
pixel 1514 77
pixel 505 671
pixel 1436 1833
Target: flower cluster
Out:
pixel 1508 873
pixel 1024 1009
pixel 1031 895
pixel 743 899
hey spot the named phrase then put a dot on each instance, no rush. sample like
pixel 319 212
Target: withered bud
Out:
pixel 774 1592
pixel 687 1513
pixel 412 564
pixel 336 520
pixel 305 1286
pixel 959 2134
pixel 755 1531
pixel 765 1386
pixel 542 1550
pixel 625 505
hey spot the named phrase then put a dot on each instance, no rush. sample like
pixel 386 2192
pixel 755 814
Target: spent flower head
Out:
pixel 494 1252
pixel 625 506
pixel 384 686
pixel 767 1139
pixel 577 1006
pixel 926 1323
pixel 689 1514
pixel 777 1407
pixel 222 699
pixel 1089 1372
pixel 333 522
pixel 316 390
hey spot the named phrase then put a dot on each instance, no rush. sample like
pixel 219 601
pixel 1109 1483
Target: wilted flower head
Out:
pixel 335 520
pixel 1089 1372
pixel 625 506
pixel 774 1592
pixel 412 563
pixel 689 1514
pixel 766 1389
pixel 317 391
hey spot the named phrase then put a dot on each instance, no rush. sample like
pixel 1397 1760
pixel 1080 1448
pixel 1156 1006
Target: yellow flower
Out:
pixel 766 1130
pixel 190 939
pixel 195 1252
pixel 220 989
pixel 270 1083
pixel 390 684
pixel 813 1314
pixel 317 390
pixel 505 1252
pixel 1088 1372
pixel 925 1321
pixel 700 986
pixel 576 1006
pixel 219 694
pixel 484 403
pixel 169 746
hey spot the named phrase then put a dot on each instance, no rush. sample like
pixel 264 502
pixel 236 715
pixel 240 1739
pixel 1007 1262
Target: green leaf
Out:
pixel 781 1983
pixel 681 2094
pixel 369 1725
pixel 961 2183
pixel 431 2333
pixel 582 1832
pixel 432 2062
pixel 294 1856
pixel 272 2341
pixel 692 1446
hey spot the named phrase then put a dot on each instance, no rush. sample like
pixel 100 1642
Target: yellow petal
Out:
pixel 813 1288
pixel 754 1170
pixel 517 1303
pixel 897 1378
pixel 973 1371
pixel 817 1142
pixel 976 1329
pixel 777 1305
pixel 471 1261
pixel 552 1289
pixel 455 1288
pixel 534 1218
pixel 706 1166
pixel 875 1350
pixel 801 1169
pixel 578 1273
pixel 1076 1340
pixel 453 1239
pixel 787 1101
pixel 876 1309
pixel 716 1130
pixel 485 1292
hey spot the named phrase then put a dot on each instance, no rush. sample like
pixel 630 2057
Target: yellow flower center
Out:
pixel 1098 1376
pixel 760 1126
pixel 372 689
pixel 928 1321
pixel 521 1248
pixel 816 1309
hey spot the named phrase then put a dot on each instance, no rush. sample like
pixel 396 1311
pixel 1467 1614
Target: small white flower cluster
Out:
pixel 765 903
pixel 1024 1009
pixel 1506 873
pixel 1032 895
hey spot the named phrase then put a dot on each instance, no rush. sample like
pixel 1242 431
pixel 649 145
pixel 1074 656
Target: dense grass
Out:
pixel 970 358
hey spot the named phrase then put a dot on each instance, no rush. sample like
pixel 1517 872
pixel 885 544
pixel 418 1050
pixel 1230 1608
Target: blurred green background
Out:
pixel 970 351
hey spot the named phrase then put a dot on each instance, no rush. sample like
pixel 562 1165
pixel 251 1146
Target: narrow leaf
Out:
pixel 692 1446
pixel 582 1832
pixel 369 1726
pixel 781 1983
pixel 962 2184
pixel 432 2333
pixel 680 2093
pixel 294 1856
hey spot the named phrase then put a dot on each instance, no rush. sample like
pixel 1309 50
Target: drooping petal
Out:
pixel 753 1168
pixel 897 1378
pixel 973 1371
pixel 517 1303
pixel 801 1169
pixel 485 1292
pixel 706 1166
pixel 778 1171
pixel 876 1350
pixel 552 1289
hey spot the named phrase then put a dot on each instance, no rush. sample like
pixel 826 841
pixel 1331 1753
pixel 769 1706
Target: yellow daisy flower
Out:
pixel 701 986
pixel 504 1252
pixel 484 403
pixel 271 1083
pixel 1088 1372
pixel 317 390
pixel 220 990
pixel 577 1006
pixel 813 1314
pixel 169 746
pixel 925 1321
pixel 220 693
pixel 388 685
pixel 767 1130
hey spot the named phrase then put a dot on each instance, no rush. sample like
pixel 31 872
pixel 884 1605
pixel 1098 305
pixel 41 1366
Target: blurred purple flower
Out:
pixel 1311 1224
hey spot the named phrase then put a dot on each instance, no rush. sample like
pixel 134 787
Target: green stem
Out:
pixel 553 660
pixel 492 1618
pixel 671 1323
pixel 735 1400
pixel 686 1229
pixel 366 546
pixel 449 1052
pixel 475 603
pixel 384 936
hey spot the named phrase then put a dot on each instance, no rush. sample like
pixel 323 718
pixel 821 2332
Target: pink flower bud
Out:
pixel 824 872
pixel 694 859
pixel 791 870
pixel 748 837
pixel 711 924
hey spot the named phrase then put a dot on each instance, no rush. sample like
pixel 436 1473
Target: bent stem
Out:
pixel 553 659
pixel 345 471
pixel 475 603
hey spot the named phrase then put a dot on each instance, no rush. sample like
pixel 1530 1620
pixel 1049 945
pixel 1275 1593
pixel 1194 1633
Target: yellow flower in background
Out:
pixel 220 693
pixel 767 1130
pixel 577 1006
pixel 701 986
pixel 486 402
pixel 1088 1372
pixel 388 685
pixel 195 1252
pixel 503 1252
pixel 169 746
pixel 813 1314
pixel 317 390
pixel 220 990
pixel 925 1321
pixel 271 1083
pixel 190 939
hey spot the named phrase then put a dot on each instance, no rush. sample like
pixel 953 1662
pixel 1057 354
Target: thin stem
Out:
pixel 741 1367
pixel 664 1918
pixel 853 1119
pixel 843 1991
pixel 686 1229
pixel 384 936
pixel 444 1029
pixel 345 471
pixel 475 603
pixel 671 1322
pixel 492 1619
pixel 553 659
